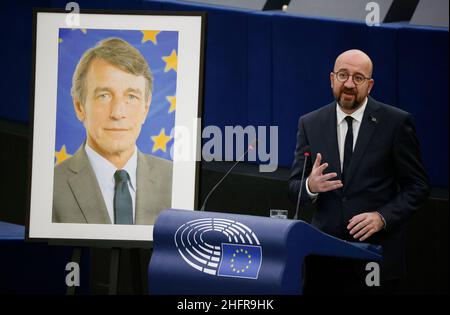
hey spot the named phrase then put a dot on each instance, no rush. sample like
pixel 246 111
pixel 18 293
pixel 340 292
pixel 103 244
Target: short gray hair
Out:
pixel 120 54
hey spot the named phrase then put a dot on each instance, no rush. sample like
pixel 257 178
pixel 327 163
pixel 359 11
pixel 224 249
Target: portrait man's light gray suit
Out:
pixel 77 197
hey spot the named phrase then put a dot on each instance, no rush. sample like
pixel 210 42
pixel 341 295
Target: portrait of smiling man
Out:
pixel 108 180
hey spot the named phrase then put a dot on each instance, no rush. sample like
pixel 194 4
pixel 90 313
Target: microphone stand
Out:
pixel 250 147
pixel 306 154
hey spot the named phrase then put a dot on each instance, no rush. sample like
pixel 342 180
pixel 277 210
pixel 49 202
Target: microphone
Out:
pixel 249 148
pixel 306 153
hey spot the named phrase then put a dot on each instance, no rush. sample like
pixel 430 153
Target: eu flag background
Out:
pixel 240 261
pixel 159 48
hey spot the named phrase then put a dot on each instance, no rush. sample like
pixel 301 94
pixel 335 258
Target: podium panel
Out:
pixel 207 253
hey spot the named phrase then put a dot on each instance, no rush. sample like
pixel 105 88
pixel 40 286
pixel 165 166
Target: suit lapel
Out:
pixel 368 125
pixel 86 189
pixel 330 150
pixel 145 186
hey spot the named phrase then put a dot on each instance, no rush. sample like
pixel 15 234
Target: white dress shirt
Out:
pixel 342 132
pixel 342 127
pixel 104 171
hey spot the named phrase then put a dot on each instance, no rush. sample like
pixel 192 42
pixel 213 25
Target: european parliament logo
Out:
pixel 220 247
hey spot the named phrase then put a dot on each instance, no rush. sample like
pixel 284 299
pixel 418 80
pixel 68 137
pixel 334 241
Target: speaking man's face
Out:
pixel 348 94
pixel 114 110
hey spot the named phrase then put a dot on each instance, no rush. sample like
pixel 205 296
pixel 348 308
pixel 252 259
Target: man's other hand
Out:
pixel 363 225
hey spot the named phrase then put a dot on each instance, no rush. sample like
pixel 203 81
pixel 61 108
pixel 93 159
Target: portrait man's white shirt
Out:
pixel 104 172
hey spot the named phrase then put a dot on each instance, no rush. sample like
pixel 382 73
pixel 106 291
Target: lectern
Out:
pixel 205 253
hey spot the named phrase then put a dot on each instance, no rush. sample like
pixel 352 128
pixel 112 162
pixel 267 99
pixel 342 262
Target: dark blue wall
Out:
pixel 268 68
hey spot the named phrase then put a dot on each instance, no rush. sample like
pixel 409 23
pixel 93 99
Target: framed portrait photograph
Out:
pixel 116 122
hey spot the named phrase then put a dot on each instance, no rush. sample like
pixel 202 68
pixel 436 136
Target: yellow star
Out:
pixel 61 155
pixel 171 61
pixel 173 102
pixel 150 35
pixel 60 40
pixel 160 141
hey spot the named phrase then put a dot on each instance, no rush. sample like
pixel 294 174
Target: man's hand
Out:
pixel 318 182
pixel 363 225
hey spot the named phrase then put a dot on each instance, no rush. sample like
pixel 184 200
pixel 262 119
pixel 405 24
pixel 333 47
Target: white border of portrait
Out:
pixel 189 89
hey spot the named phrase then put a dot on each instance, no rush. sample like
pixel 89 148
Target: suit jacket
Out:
pixel 386 174
pixel 77 197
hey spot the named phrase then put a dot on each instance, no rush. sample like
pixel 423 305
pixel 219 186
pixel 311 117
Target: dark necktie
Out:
pixel 123 205
pixel 348 146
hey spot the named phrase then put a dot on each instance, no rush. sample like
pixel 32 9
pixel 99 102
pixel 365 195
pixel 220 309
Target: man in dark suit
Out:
pixel 367 178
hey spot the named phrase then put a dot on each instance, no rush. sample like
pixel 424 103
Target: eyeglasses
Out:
pixel 358 78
